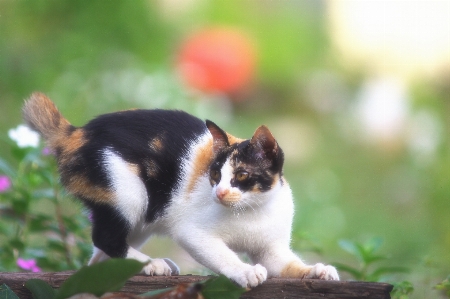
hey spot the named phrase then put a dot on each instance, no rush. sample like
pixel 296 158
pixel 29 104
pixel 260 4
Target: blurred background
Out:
pixel 357 94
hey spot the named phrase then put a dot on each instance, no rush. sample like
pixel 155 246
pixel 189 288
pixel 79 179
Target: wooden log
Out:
pixel 272 288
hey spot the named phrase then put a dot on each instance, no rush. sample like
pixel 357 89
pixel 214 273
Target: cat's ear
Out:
pixel 264 143
pixel 220 138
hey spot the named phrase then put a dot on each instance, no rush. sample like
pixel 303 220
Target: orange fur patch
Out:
pixel 156 145
pixel 68 145
pixel 134 168
pixel 74 142
pixel 232 139
pixel 78 185
pixel 277 179
pixel 295 269
pixel 152 168
pixel 231 198
pixel 202 160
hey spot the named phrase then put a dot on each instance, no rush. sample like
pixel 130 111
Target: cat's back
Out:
pixel 118 147
pixel 136 126
pixel 123 160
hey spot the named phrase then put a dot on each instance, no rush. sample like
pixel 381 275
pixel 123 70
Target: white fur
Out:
pixel 258 224
pixel 321 271
pixel 97 256
pixel 131 195
pixel 154 266
pixel 224 184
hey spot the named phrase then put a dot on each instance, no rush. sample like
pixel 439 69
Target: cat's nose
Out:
pixel 221 193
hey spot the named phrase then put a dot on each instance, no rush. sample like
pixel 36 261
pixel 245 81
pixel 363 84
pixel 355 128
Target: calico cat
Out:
pixel 145 172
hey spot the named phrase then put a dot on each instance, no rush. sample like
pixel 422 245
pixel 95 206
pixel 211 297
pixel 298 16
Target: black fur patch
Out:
pixel 109 230
pixel 262 170
pixel 128 134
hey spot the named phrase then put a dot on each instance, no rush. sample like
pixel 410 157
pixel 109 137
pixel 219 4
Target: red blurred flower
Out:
pixel 217 60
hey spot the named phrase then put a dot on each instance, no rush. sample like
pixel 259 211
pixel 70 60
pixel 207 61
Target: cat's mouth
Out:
pixel 227 197
pixel 230 201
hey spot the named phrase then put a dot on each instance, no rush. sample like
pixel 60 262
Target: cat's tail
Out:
pixel 41 114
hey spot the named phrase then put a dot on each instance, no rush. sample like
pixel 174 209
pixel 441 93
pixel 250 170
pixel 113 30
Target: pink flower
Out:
pixel 5 183
pixel 91 217
pixel 29 265
pixel 46 151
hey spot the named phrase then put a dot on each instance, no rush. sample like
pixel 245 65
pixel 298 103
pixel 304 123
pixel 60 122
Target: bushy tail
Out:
pixel 41 114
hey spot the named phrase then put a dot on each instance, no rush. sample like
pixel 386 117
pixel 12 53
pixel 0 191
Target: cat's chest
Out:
pixel 251 228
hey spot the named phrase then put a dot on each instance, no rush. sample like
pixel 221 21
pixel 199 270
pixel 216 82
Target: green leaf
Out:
pixel 364 252
pixel 349 246
pixel 369 259
pixel 221 288
pixel 40 289
pixel 7 293
pixel 402 290
pixel 156 292
pixel 39 223
pixel 374 244
pixel 19 153
pixel 56 245
pixel 7 169
pixel 108 276
pixel 49 262
pixel 4 228
pixel 355 273
pixel 375 275
pixel 17 244
pixel 70 223
pixel 444 286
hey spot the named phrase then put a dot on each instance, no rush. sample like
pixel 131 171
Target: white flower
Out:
pixel 24 136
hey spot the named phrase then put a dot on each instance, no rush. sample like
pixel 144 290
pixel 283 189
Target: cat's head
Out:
pixel 244 172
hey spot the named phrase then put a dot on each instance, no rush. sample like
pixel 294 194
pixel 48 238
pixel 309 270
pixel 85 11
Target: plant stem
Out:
pixel 62 228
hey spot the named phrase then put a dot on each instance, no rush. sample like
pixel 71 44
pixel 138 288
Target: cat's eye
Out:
pixel 215 175
pixel 241 176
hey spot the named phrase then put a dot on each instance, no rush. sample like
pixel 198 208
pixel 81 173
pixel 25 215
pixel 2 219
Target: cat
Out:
pixel 166 172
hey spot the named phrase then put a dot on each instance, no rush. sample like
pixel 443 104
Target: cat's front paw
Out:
pixel 161 267
pixel 249 276
pixel 320 271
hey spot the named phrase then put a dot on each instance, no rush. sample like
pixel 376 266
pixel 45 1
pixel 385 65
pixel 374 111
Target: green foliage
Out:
pixel 93 58
pixel 303 242
pixel 40 289
pixel 366 255
pixel 111 275
pixel 34 223
pixel 157 292
pixel 221 288
pixel 7 293
pixel 108 276
pixel 401 290
pixel 444 286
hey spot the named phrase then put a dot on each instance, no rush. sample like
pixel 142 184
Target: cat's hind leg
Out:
pixel 97 256
pixel 117 226
pixel 154 266
pixel 110 232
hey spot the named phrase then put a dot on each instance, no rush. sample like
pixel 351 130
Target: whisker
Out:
pixel 258 204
